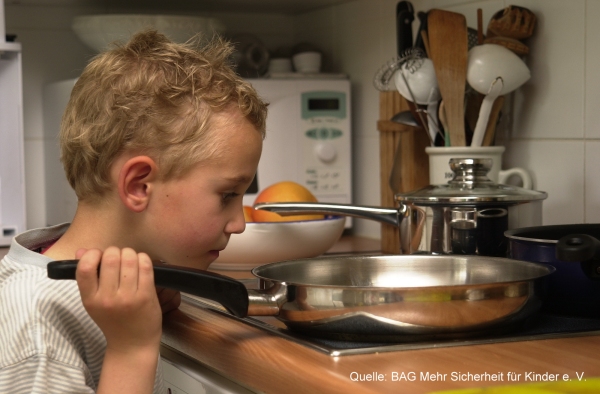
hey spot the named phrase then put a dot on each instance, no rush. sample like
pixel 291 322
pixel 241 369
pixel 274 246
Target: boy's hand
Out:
pixel 122 299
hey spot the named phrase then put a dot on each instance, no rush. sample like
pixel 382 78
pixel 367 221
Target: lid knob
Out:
pixel 468 172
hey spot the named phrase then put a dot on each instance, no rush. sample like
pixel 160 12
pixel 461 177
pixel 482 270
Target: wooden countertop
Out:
pixel 265 362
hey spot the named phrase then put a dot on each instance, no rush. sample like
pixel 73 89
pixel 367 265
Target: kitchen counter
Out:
pixel 265 362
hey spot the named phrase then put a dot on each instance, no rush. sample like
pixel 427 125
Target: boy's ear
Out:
pixel 135 182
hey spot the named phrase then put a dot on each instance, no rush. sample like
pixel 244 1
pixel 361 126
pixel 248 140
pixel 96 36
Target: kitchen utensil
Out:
pixel 307 62
pixel 263 243
pixel 372 298
pixel 251 57
pixel 469 192
pixel 444 122
pixel 448 44
pixel 485 110
pixel 421 41
pixel 490 131
pixel 440 173
pixel 480 36
pixel 416 82
pixel 405 15
pixel 512 22
pixel 488 62
pixel 404 18
pixel 572 249
pixel 516 46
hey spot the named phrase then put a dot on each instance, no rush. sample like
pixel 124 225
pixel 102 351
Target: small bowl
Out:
pixel 268 242
pixel 307 62
pixel 280 65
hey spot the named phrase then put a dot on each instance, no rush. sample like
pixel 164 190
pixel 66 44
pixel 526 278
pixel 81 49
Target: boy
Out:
pixel 160 142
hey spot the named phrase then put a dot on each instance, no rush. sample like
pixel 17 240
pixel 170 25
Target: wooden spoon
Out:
pixel 490 131
pixel 448 45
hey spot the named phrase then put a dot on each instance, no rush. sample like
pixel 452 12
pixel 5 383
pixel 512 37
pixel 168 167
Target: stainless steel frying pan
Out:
pixel 374 298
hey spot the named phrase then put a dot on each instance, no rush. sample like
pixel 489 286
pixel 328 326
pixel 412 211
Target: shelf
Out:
pixel 10 47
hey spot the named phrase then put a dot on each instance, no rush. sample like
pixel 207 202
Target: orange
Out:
pixel 248 213
pixel 286 191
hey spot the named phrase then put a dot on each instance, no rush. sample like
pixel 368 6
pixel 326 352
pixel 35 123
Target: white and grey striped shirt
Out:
pixel 48 342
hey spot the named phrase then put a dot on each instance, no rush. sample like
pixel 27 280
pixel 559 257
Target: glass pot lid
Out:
pixel 470 185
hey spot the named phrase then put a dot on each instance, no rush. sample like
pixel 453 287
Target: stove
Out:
pixel 540 326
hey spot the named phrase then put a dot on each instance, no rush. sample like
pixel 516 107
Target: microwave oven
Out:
pixel 308 137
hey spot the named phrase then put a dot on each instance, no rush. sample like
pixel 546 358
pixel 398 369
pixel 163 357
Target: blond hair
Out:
pixel 155 97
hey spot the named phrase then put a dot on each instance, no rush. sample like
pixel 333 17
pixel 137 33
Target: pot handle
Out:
pixel 583 248
pixel 228 292
pixel 391 216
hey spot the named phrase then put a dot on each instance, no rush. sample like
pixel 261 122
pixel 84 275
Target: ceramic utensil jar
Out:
pixel 440 172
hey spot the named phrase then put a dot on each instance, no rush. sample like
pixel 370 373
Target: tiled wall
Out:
pixel 550 126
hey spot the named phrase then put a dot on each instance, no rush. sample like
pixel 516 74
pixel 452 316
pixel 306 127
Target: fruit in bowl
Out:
pixel 270 238
pixel 286 191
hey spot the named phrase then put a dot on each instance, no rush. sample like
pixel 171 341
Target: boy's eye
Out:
pixel 229 196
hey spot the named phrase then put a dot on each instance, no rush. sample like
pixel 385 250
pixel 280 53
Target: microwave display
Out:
pixel 323 104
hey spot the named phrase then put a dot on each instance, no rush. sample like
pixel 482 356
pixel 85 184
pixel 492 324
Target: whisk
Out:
pixel 413 57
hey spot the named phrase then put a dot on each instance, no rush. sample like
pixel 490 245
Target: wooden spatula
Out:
pixel 448 45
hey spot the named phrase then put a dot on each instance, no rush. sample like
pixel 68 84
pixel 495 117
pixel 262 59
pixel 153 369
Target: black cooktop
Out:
pixel 539 326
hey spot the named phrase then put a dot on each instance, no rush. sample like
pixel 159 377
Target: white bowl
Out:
pixel 280 65
pixel 307 62
pixel 98 31
pixel 269 242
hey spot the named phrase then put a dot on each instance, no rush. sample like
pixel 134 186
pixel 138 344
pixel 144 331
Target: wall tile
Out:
pixel 557 167
pixel 592 70
pixel 592 182
pixel 550 104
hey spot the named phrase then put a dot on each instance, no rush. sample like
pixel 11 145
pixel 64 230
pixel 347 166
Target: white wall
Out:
pixel 552 131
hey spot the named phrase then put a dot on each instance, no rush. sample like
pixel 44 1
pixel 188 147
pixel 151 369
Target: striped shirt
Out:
pixel 48 342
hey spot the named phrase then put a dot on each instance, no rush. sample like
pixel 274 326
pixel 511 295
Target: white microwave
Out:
pixel 308 138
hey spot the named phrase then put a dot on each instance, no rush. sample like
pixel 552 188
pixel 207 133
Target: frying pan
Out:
pixel 372 298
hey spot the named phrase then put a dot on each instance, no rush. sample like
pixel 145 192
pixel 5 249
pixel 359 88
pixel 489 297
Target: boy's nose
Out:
pixel 237 224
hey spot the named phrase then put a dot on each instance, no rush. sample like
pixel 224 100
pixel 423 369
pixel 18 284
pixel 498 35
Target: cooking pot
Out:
pixel 574 250
pixel 372 298
pixel 468 215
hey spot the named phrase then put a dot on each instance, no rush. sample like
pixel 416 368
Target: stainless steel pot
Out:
pixel 466 216
pixel 374 298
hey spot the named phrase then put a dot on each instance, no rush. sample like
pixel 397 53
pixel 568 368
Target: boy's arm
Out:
pixel 122 300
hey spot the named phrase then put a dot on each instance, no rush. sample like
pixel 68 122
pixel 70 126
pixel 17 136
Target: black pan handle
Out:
pixel 583 248
pixel 228 292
